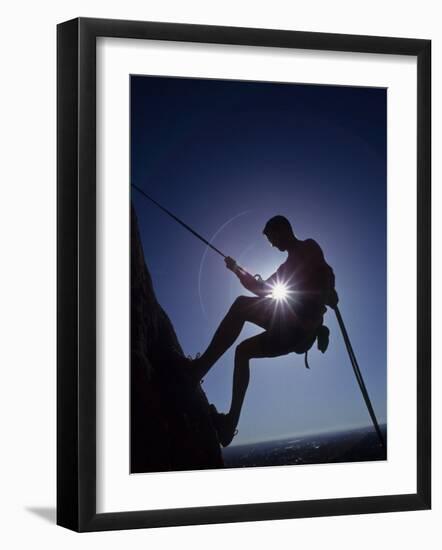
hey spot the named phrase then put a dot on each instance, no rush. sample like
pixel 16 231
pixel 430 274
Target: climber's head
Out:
pixel 279 232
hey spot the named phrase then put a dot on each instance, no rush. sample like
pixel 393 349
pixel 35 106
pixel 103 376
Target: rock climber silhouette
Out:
pixel 289 305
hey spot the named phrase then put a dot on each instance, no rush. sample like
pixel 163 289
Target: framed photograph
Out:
pixel 243 274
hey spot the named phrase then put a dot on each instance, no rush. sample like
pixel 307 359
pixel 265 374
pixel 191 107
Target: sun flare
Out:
pixel 279 292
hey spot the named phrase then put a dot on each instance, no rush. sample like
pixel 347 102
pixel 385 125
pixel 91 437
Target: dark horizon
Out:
pixel 285 437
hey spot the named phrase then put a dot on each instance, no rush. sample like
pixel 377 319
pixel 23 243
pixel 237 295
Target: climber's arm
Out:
pixel 257 287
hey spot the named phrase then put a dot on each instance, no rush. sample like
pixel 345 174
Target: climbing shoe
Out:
pixel 192 368
pixel 223 425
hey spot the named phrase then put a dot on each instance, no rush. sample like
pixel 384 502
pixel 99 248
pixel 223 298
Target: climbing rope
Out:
pixel 358 375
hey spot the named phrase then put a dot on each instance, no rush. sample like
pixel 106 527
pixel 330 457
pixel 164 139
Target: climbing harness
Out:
pixel 341 324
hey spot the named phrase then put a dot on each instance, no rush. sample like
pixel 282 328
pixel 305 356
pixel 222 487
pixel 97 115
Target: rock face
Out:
pixel 170 421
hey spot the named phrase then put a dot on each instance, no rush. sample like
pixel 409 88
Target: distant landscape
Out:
pixel 355 445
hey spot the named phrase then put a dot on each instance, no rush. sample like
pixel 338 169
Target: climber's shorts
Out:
pixel 282 334
pixel 274 343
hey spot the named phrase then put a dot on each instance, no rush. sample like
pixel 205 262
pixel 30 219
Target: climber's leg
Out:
pixel 244 308
pixel 253 348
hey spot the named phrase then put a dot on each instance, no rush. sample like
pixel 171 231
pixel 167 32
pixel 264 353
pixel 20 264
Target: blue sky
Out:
pixel 225 156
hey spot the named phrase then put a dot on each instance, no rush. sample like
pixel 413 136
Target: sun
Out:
pixel 279 292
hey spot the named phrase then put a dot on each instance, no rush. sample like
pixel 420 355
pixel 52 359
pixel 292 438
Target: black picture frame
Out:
pixel 76 274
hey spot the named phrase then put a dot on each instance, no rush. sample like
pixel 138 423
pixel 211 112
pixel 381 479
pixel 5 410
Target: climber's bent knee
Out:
pixel 241 352
pixel 251 309
pixel 240 303
pixel 262 345
pixel 247 349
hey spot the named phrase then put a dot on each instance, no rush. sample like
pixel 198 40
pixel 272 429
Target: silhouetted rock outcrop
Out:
pixel 170 420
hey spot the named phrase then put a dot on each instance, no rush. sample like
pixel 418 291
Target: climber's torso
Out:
pixel 304 275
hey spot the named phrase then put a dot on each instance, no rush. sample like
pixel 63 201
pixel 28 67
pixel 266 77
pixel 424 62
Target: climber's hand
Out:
pixel 231 264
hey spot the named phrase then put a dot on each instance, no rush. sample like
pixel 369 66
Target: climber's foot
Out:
pixel 195 369
pixel 224 426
